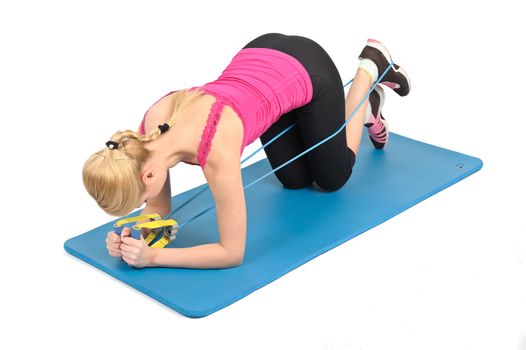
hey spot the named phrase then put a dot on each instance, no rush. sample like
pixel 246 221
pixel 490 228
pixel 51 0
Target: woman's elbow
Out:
pixel 236 258
pixel 232 254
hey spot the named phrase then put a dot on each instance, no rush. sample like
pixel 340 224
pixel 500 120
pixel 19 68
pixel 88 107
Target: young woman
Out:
pixel 272 82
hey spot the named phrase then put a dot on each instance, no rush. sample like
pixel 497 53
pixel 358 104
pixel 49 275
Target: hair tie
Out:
pixel 164 128
pixel 112 145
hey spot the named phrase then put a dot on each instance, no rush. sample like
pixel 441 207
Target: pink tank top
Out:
pixel 260 85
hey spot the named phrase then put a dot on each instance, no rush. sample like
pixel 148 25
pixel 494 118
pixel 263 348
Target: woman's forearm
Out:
pixel 206 256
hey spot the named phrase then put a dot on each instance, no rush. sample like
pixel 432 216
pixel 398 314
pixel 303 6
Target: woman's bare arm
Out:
pixel 229 197
pixel 223 173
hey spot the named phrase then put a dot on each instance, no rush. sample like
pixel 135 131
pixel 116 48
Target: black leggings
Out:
pixel 330 164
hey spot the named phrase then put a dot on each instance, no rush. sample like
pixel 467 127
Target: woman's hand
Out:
pixel 135 251
pixel 113 243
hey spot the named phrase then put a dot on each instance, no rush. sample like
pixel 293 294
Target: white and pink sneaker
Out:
pixel 375 59
pixel 374 120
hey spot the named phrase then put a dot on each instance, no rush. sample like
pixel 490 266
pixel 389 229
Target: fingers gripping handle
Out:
pixel 168 228
pixel 120 224
pixel 134 233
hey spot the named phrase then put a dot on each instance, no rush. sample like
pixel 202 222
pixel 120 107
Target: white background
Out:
pixel 449 273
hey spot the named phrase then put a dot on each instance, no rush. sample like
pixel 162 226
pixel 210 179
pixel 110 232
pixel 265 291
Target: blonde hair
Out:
pixel 112 176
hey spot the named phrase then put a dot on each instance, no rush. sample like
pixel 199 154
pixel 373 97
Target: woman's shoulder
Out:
pixel 158 113
pixel 227 139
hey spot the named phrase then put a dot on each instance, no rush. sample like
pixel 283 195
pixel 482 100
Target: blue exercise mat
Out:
pixel 285 228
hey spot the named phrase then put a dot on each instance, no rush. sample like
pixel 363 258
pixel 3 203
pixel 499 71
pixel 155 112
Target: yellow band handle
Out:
pixel 161 243
pixel 155 224
pixel 150 237
pixel 136 218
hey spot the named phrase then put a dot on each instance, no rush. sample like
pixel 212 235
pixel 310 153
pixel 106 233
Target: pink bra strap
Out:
pixel 209 131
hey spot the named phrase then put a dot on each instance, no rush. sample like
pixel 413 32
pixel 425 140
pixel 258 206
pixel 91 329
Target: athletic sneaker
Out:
pixel 396 78
pixel 375 122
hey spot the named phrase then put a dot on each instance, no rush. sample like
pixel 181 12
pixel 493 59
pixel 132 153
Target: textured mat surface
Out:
pixel 286 228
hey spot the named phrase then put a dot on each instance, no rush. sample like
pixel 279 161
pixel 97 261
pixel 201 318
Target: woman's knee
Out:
pixel 294 182
pixel 333 184
pixel 296 186
pixel 333 181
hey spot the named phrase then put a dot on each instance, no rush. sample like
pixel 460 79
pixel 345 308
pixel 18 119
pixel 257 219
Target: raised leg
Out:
pixel 354 128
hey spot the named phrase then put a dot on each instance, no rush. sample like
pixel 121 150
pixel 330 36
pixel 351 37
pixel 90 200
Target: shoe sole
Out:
pixel 380 47
pixel 381 93
pixel 382 100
